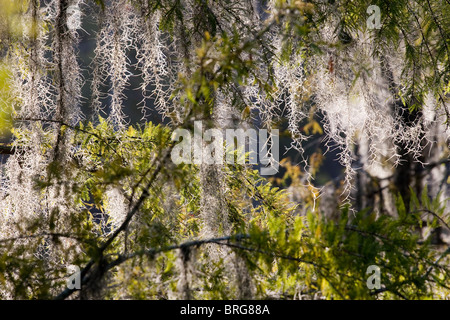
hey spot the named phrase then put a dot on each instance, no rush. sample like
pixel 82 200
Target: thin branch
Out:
pixel 222 241
pixel 435 215
pixel 442 256
pixel 47 234
pixel 62 123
